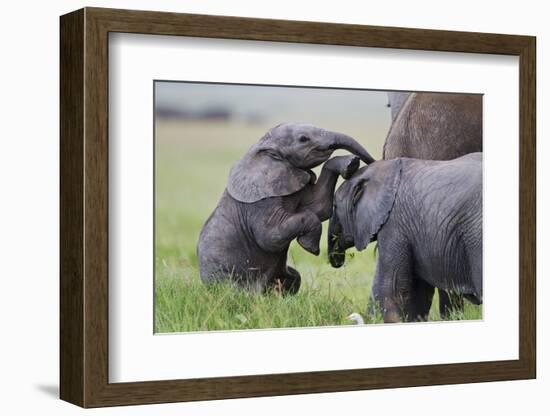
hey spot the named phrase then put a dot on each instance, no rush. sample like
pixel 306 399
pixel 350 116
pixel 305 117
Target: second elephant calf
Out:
pixel 427 219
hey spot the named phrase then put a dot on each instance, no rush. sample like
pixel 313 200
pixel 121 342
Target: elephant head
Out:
pixel 279 164
pixel 362 205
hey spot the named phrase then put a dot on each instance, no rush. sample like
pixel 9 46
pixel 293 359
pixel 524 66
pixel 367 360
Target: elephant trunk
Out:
pixel 336 255
pixel 342 141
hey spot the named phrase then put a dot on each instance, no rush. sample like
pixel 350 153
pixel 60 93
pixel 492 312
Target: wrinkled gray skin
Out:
pixel 272 197
pixel 436 127
pixel 426 217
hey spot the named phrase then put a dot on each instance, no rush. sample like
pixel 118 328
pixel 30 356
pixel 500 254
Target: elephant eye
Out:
pixel 304 139
pixel 273 154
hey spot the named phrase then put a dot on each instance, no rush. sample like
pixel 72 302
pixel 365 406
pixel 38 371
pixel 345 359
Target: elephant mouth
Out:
pixel 317 156
pixel 337 246
pixel 337 258
pixel 336 254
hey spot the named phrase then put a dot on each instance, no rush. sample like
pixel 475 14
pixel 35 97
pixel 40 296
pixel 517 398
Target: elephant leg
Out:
pixel 305 226
pixel 476 265
pixel 309 239
pixel 287 284
pixel 319 197
pixel 421 300
pixel 292 281
pixel 449 302
pixel 389 303
pixel 393 283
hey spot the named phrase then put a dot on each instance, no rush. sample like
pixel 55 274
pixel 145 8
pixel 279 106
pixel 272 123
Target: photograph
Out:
pixel 283 206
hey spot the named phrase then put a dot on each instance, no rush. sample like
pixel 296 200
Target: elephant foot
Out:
pixel 310 241
pixel 289 284
pixel 292 281
pixel 392 317
pixel 346 166
pixel 350 167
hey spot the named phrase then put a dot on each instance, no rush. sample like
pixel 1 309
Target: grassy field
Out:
pixel 192 164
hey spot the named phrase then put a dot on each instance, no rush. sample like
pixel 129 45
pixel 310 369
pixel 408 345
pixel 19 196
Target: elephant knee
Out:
pixel 273 241
pixel 325 212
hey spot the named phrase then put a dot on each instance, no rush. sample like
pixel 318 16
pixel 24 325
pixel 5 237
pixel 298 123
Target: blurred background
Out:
pixel 243 109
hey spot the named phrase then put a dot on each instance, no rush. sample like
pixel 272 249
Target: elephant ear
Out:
pixel 264 173
pixel 373 198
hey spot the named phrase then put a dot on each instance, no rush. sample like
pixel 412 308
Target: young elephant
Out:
pixel 272 197
pixel 426 217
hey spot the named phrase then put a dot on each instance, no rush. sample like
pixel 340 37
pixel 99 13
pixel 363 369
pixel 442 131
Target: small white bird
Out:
pixel 358 319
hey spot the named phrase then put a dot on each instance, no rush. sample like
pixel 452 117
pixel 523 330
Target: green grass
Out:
pixel 191 306
pixel 326 297
pixel 192 164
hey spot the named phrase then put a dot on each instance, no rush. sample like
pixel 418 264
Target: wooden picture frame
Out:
pixel 84 207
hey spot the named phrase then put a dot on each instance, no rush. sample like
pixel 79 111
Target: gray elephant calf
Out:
pixel 272 197
pixel 427 218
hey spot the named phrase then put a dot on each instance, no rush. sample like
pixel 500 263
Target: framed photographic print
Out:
pixel 255 207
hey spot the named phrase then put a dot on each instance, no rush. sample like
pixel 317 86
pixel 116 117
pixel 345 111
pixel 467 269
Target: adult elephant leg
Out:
pixel 319 197
pixel 449 302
